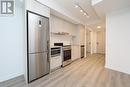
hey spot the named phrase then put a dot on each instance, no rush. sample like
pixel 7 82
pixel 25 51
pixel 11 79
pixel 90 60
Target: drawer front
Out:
pixel 55 62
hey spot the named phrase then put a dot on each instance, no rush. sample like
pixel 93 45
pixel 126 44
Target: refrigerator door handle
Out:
pixel 47 45
pixel 48 51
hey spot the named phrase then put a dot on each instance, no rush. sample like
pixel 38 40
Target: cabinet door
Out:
pixel 75 52
pixel 55 62
pixel 38 33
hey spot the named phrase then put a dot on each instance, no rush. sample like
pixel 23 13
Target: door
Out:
pixel 88 45
pixel 38 65
pixel 38 33
pixel 100 42
pixel 67 55
pixel 38 45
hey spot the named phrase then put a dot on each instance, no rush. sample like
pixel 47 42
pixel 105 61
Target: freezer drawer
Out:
pixel 38 65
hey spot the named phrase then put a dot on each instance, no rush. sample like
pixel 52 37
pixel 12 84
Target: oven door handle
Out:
pixel 66 49
pixel 55 55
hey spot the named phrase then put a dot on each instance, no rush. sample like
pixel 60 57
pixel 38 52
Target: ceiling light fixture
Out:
pixel 85 14
pixel 76 6
pixel 98 27
pixel 82 10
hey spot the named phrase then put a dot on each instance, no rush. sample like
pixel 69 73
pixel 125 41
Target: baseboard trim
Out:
pixel 76 59
pixel 113 69
pixel 11 82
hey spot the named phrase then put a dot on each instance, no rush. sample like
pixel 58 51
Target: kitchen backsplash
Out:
pixel 66 40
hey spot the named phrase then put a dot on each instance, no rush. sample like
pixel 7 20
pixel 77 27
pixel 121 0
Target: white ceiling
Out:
pixel 94 26
pixel 107 6
pixel 64 17
pixel 85 4
pixel 97 12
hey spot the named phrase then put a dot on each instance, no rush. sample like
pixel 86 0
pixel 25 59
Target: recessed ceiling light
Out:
pixel 76 6
pixel 85 14
pixel 98 27
pixel 81 10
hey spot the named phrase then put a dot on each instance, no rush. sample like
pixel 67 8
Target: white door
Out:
pixel 100 42
pixel 88 43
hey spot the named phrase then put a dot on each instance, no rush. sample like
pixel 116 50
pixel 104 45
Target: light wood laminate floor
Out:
pixel 86 72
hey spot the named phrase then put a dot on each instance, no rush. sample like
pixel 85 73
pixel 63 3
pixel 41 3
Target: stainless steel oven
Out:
pixel 55 51
pixel 82 51
pixel 56 58
pixel 66 55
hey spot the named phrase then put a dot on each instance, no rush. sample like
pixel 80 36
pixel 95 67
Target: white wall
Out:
pixel 12 44
pixel 118 40
pixel 13 39
pixel 82 35
pixel 60 25
pixel 37 7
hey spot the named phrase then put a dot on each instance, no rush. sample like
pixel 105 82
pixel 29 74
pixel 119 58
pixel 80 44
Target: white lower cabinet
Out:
pixel 75 52
pixel 55 62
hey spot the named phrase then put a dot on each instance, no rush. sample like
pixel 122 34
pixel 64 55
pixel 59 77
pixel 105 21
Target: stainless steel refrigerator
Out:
pixel 38 46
